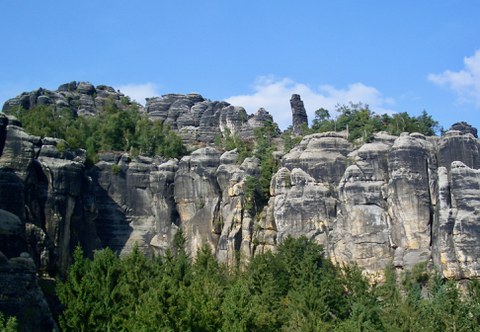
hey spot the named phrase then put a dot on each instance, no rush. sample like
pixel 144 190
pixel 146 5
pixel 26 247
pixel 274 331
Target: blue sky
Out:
pixel 396 56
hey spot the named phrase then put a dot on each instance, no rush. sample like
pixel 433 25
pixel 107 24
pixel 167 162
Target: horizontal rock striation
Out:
pixel 395 201
pixel 81 98
pixel 200 120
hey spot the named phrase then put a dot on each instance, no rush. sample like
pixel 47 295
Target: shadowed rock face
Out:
pixel 21 296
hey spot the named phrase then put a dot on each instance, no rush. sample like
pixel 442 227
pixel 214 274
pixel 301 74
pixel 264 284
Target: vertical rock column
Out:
pixel 299 115
pixel 197 198
pixel 409 198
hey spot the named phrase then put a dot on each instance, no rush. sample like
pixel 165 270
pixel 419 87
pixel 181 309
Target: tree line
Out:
pixel 361 123
pixel 294 289
pixel 112 129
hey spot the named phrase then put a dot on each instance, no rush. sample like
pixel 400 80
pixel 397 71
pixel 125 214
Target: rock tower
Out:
pixel 299 115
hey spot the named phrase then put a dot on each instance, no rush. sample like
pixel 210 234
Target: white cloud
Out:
pixel 465 83
pixel 139 92
pixel 274 95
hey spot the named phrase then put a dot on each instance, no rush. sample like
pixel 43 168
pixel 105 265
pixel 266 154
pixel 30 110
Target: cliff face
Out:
pixel 399 200
pixel 199 120
pixel 396 200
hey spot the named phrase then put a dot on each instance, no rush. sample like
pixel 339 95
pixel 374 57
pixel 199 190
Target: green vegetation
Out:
pixel 361 123
pixel 294 289
pixel 262 147
pixel 231 142
pixel 113 129
pixel 8 324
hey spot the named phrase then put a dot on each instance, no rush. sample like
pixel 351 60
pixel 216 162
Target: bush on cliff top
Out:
pixel 113 129
pixel 362 123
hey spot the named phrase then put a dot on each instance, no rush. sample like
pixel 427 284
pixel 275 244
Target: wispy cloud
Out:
pixel 139 92
pixel 274 95
pixel 465 83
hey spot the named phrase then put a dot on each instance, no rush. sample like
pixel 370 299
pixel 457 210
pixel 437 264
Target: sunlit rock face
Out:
pixel 199 120
pixel 197 197
pixel 362 230
pixel 412 170
pixel 399 201
pixel 396 200
pixel 456 232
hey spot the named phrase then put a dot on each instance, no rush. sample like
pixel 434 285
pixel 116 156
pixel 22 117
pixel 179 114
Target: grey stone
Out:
pixel 299 115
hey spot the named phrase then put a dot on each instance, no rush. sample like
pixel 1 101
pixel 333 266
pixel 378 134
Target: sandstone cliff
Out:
pixel 397 200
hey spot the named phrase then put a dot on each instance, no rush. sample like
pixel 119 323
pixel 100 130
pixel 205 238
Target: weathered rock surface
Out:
pixel 456 232
pixel 323 156
pixel 465 128
pixel 397 200
pixel 197 197
pixel 362 229
pixel 299 114
pixel 391 201
pixel 456 146
pixel 197 119
pixel 12 235
pixel 21 296
pixel 81 98
pixel 134 199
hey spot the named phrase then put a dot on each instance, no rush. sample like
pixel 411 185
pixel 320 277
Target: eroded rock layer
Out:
pixel 397 200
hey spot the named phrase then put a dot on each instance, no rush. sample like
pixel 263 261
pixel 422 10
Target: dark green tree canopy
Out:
pixel 294 289
pixel 362 123
pixel 112 129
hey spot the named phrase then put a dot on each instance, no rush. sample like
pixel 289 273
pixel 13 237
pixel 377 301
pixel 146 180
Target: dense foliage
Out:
pixel 8 324
pixel 294 289
pixel 362 123
pixel 112 129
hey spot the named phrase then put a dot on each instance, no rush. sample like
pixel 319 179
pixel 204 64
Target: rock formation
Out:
pixel 299 115
pixel 397 200
pixel 200 120
pixel 81 98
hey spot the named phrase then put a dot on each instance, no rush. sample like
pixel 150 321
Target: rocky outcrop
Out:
pixel 412 168
pixel 387 202
pixel 465 128
pixel 81 98
pixel 397 200
pixel 197 197
pixel 199 120
pixel 299 115
pixel 12 235
pixel 134 199
pixel 20 293
pixel 362 231
pixel 49 192
pixel 323 156
pixel 458 146
pixel 456 230
pixel 21 296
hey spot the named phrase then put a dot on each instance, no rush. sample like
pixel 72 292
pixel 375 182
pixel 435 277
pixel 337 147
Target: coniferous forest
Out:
pixel 293 289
